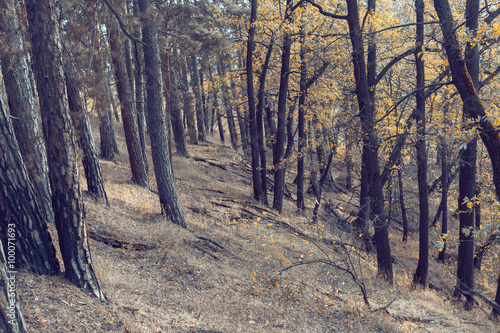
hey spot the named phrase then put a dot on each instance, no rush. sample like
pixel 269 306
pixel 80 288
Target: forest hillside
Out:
pixel 239 266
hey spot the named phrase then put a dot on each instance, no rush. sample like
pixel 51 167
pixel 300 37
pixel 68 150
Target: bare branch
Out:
pixel 122 25
pixel 322 12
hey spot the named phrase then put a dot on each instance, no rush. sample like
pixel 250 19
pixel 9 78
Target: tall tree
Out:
pixel 467 175
pixel 420 276
pixel 20 88
pixel 156 118
pixel 81 124
pixel 279 145
pixel 22 223
pixel 254 144
pixel 67 199
pixel 195 77
pixel 129 115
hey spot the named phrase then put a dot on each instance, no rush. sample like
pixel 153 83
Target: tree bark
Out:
pixel 227 104
pixel 402 204
pixel 23 224
pixel 67 200
pixel 81 124
pixel 300 126
pixel 279 146
pixel 188 97
pixel 254 143
pixel 370 145
pixel 176 116
pixel 129 115
pixel 159 147
pixel 20 88
pixel 420 276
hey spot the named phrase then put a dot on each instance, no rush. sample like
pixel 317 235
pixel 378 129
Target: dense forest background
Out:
pixel 365 131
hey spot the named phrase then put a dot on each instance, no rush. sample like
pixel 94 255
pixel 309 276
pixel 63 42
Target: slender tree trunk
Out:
pixel 216 111
pixel 107 134
pixel 81 124
pixel 227 104
pixel 420 276
pixel 129 115
pixel 138 58
pixel 67 199
pixel 444 198
pixel 300 125
pixel 254 143
pixel 176 116
pixel 19 86
pixel 23 228
pixel 402 203
pixel 188 97
pixel 159 148
pixel 260 121
pixel 279 146
pixel 200 121
pixel 370 145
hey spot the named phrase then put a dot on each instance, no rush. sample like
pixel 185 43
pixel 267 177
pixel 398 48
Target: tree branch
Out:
pixel 322 12
pixel 390 64
pixel 122 25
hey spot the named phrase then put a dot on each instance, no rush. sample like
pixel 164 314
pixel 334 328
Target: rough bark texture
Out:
pixel 420 276
pixel 188 98
pixel 19 86
pixel 67 200
pixel 176 118
pixel 370 145
pixel 254 144
pixel 107 135
pixel 129 116
pixel 20 214
pixel 81 124
pixel 11 317
pixel 157 127
pixel 227 104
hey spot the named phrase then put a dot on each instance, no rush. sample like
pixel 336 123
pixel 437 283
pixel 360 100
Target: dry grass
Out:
pixel 187 284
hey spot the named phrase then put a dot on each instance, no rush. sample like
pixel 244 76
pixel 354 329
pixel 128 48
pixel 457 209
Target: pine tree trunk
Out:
pixel 188 98
pixel 61 153
pixel 444 197
pixel 129 115
pixel 159 147
pixel 176 116
pixel 23 224
pixel 20 88
pixel 81 124
pixel 227 104
pixel 300 125
pixel 402 203
pixel 195 76
pixel 107 135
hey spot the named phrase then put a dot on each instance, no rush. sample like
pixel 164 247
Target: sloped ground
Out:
pixel 239 267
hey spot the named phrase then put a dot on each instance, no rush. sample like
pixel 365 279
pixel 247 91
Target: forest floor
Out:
pixel 239 266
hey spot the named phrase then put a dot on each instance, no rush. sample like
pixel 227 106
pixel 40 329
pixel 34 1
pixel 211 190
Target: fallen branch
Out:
pixel 116 243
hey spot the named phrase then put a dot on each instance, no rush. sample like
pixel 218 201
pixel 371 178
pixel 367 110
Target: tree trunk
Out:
pixel 67 199
pixel 81 124
pixel 188 97
pixel 227 104
pixel 138 58
pixel 300 125
pixel 402 203
pixel 156 118
pixel 279 146
pixel 19 86
pixel 370 144
pixel 23 224
pixel 11 317
pixel 107 134
pixel 197 98
pixel 444 197
pixel 420 276
pixel 176 116
pixel 254 143
pixel 129 115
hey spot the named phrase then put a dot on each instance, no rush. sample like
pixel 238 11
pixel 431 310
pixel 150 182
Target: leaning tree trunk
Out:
pixel 67 199
pixel 23 224
pixel 11 317
pixel 157 129
pixel 420 276
pixel 20 88
pixel 129 116
pixel 81 124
